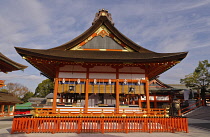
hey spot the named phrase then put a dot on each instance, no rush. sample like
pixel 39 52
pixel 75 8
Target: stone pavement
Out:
pixel 197 127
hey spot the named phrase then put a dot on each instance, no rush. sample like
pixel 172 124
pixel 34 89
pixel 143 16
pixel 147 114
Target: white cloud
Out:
pixel 24 21
pixel 30 81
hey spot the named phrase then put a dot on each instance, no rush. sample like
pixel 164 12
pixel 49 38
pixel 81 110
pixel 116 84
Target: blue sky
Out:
pixel 161 26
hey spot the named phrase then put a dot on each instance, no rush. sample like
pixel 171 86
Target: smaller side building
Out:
pixel 7 104
pixel 23 109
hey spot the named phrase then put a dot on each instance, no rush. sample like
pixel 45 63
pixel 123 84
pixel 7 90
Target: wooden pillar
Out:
pixel 147 93
pixel 61 100
pixel 8 110
pixel 13 109
pixel 2 109
pixel 128 99
pixel 117 107
pixel 55 95
pixel 133 100
pixel 86 95
pixel 67 98
pixel 139 100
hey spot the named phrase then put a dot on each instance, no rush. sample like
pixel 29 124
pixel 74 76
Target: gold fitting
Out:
pixel 144 115
pixel 124 115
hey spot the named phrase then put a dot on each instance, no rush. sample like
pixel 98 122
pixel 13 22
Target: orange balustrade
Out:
pixel 98 112
pixel 101 125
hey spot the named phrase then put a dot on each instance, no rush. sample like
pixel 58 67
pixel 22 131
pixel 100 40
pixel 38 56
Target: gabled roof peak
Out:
pixel 105 13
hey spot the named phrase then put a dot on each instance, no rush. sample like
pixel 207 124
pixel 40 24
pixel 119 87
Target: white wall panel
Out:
pixel 102 76
pixel 70 75
pixel 72 68
pixel 102 69
pixel 131 76
pixel 132 69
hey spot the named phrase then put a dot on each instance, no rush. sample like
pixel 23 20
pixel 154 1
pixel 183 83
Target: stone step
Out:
pixel 200 113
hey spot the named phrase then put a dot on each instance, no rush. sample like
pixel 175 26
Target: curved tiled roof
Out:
pixel 8 65
pixel 73 52
pixel 102 56
pixel 102 20
pixel 8 98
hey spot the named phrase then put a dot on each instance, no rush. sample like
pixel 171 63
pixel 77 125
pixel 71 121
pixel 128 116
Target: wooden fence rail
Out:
pixel 100 125
pixel 98 112
pixel 191 107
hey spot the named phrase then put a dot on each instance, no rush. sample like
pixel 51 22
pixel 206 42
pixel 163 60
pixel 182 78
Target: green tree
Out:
pixel 44 88
pixel 27 96
pixel 199 79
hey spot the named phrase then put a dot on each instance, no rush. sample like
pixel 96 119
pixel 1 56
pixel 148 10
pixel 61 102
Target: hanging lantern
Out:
pixel 139 82
pixel 95 81
pixel 125 81
pixel 131 89
pixel 110 82
pixel 78 81
pixel 63 80
pixel 71 88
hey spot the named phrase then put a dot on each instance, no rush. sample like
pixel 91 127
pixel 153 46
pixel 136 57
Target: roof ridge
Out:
pixel 102 18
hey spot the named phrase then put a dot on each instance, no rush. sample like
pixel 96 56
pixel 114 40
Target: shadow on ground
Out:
pixel 7 119
pixel 204 126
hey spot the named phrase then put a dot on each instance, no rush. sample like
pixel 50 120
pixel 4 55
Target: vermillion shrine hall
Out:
pixel 101 74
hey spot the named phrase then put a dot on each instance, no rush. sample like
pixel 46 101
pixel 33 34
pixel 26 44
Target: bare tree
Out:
pixel 17 89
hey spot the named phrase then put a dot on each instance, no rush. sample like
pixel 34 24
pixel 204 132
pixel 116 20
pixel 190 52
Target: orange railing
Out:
pixel 101 125
pixel 98 112
pixel 191 107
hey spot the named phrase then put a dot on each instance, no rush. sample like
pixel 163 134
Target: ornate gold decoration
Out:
pixel 102 31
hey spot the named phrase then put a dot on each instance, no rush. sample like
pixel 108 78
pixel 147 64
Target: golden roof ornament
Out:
pixel 103 12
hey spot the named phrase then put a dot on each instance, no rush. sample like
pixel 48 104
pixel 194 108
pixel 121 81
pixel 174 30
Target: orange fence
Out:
pixel 100 125
pixel 99 111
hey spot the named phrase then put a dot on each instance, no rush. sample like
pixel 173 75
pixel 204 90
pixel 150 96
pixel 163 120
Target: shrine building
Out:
pixel 101 64
pixel 100 73
pixel 7 100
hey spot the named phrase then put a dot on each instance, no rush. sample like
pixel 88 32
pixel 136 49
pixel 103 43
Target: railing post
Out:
pixel 102 125
pixel 79 125
pixel 186 125
pixel 126 125
pixel 13 125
